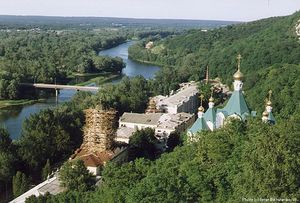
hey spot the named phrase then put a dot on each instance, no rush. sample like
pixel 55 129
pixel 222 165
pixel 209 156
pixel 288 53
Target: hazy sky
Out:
pixel 244 10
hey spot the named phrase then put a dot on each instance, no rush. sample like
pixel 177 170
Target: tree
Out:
pixel 7 160
pixel 142 144
pixel 75 176
pixel 173 141
pixel 20 184
pixel 7 167
pixel 55 135
pixel 46 170
pixel 5 141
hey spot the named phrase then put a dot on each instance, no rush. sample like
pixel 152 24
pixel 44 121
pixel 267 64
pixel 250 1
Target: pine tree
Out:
pixel 46 170
pixel 20 184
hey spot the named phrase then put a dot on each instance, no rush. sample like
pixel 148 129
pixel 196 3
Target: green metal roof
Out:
pixel 237 105
pixel 199 125
pixel 271 118
pixel 210 115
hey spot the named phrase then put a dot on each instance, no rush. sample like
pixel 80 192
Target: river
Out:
pixel 12 118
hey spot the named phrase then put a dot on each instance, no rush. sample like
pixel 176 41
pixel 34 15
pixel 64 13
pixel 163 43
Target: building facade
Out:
pixel 185 99
pixel 163 124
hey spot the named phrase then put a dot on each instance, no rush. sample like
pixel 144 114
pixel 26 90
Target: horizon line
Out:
pixel 135 18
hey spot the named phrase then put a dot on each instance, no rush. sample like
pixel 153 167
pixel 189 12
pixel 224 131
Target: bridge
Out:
pixel 61 87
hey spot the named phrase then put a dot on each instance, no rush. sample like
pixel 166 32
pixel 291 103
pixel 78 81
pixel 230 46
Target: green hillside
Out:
pixel 261 43
pixel 271 56
pixel 240 161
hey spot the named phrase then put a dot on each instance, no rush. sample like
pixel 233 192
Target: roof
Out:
pixel 93 159
pixel 149 119
pixel 271 118
pixel 182 95
pixel 210 115
pixel 54 187
pixel 124 132
pixel 171 121
pixel 51 185
pixel 199 125
pixel 236 105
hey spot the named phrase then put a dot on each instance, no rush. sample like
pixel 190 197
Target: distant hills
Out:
pixel 270 49
pixel 10 21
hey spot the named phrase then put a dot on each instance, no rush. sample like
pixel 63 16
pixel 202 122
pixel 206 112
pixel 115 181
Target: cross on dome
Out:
pixel 238 74
pixel 239 57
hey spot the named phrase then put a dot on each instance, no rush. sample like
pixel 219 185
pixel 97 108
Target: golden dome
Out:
pixel 201 109
pixel 211 99
pixel 269 103
pixel 238 75
pixel 265 113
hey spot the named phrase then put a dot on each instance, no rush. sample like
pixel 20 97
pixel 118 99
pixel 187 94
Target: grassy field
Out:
pixel 100 79
pixel 7 103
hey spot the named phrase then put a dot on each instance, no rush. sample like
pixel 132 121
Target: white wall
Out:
pixel 93 170
pixel 136 125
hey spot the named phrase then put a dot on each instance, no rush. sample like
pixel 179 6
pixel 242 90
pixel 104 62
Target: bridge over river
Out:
pixel 61 87
pixel 13 117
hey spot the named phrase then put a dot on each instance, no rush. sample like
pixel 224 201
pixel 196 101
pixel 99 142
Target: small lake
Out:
pixel 12 118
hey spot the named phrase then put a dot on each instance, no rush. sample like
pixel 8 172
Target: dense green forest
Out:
pixel 252 160
pixel 49 56
pixel 261 43
pixel 241 160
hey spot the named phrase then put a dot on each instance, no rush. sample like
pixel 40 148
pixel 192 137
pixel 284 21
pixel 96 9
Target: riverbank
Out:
pixel 13 116
pixel 97 78
pixel 148 62
pixel 10 103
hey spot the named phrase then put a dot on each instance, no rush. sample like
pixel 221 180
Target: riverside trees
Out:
pixel 50 136
pixel 48 56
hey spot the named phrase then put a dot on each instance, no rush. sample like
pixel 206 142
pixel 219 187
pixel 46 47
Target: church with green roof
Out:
pixel 235 108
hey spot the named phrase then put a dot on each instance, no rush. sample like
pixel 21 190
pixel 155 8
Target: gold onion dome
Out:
pixel 269 103
pixel 201 109
pixel 265 113
pixel 238 75
pixel 211 99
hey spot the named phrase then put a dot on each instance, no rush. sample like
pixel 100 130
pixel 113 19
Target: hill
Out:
pixel 261 43
pixel 268 46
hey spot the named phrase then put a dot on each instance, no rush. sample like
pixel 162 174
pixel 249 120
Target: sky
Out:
pixel 239 10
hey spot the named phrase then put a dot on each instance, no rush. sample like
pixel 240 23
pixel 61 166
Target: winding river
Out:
pixel 12 118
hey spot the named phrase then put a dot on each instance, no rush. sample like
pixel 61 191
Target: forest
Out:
pixel 53 56
pixel 241 160
pixel 261 43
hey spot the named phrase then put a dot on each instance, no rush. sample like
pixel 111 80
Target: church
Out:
pixel 236 108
